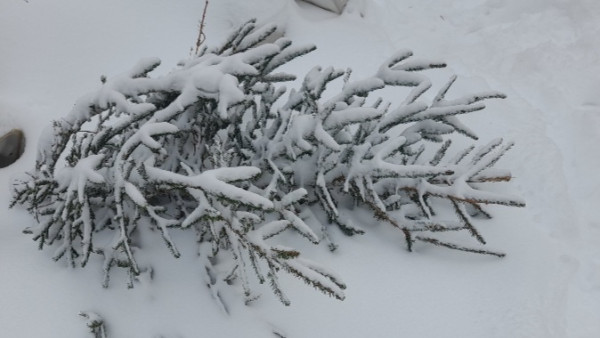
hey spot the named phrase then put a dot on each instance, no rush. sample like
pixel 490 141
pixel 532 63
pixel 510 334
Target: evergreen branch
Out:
pixel 458 247
pixel 216 147
pixel 465 219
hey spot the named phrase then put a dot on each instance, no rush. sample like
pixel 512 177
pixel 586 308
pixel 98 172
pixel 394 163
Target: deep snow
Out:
pixel 542 53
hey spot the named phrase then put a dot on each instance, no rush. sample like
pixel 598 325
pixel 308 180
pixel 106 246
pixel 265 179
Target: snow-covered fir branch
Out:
pixel 216 146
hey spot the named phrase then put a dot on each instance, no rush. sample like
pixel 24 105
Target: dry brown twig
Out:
pixel 201 36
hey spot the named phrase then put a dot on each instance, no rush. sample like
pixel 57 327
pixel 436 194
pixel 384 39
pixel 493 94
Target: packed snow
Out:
pixel 543 54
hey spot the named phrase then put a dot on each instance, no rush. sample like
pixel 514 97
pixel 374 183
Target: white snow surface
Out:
pixel 544 54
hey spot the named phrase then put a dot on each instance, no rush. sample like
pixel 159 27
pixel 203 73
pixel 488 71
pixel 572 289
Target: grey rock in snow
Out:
pixel 12 145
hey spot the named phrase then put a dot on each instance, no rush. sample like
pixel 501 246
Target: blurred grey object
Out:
pixel 336 6
pixel 12 145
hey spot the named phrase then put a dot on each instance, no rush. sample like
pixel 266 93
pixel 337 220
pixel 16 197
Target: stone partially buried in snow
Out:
pixel 336 6
pixel 12 145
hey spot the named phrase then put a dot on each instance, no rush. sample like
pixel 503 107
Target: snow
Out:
pixel 339 118
pixel 543 54
pixel 75 179
pixel 214 182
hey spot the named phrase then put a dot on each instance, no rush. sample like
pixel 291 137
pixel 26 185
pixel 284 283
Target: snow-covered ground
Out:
pixel 544 54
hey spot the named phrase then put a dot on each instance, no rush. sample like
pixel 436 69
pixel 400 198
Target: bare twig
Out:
pixel 201 36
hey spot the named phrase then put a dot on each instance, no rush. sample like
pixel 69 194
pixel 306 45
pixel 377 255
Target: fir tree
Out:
pixel 217 147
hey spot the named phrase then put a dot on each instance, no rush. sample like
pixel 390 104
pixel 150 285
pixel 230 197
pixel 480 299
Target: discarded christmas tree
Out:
pixel 214 147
